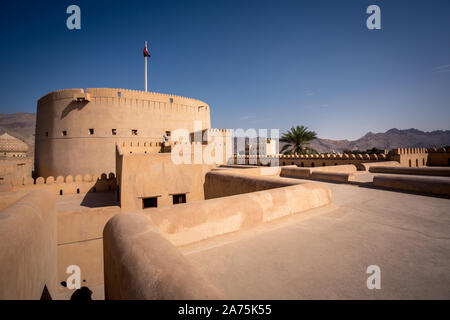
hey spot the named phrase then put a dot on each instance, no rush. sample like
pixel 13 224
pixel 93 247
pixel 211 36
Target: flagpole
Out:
pixel 145 68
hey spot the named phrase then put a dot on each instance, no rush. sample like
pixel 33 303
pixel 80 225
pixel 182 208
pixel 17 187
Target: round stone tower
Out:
pixel 77 130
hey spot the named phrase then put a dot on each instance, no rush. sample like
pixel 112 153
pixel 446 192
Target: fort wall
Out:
pixel 143 176
pixel 410 157
pixel 28 247
pixel 70 184
pixel 312 160
pixel 439 157
pixel 405 157
pixel 14 170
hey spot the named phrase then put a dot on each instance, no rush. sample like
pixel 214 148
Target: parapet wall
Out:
pixel 191 222
pixel 28 247
pixel 406 157
pixel 428 171
pixel 439 157
pixel 141 264
pixel 339 173
pixel 224 183
pixel 439 186
pixel 70 184
pixel 311 160
pixel 114 93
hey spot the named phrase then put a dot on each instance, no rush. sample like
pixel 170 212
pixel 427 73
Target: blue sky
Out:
pixel 258 64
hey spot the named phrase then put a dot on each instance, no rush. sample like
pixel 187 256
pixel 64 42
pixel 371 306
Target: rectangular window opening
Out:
pixel 151 202
pixel 134 132
pixel 91 131
pixel 64 133
pixel 114 132
pixel 179 198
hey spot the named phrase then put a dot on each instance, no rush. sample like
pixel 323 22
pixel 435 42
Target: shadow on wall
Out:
pixel 72 106
pixel 101 199
pixel 102 193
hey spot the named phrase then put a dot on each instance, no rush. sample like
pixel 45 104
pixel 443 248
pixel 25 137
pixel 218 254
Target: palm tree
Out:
pixel 297 139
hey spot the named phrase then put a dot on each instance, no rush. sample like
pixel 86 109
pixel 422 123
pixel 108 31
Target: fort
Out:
pixel 108 197
pixel 90 122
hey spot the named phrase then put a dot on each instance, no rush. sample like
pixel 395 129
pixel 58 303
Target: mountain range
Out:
pixel 393 138
pixel 22 125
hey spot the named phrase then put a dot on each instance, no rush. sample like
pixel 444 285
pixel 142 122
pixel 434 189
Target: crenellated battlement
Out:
pixel 409 151
pixel 406 157
pixel 439 150
pixel 120 93
pixel 71 184
pixel 344 156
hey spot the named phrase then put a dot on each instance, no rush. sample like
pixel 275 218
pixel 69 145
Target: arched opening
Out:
pixel 410 163
pixel 417 162
pixel 60 192
pixel 78 190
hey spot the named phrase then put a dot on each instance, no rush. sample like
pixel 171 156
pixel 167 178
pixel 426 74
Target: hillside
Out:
pixel 393 138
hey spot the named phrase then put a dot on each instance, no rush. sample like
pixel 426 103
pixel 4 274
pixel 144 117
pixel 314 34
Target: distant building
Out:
pixel 12 147
pixel 255 146
pixel 14 164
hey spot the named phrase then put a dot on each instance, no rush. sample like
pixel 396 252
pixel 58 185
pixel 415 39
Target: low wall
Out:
pixel 432 185
pixel 28 247
pixel 140 264
pixel 250 170
pixel 367 166
pixel 428 171
pixel 224 183
pixel 332 176
pixel 191 222
pixel 342 173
